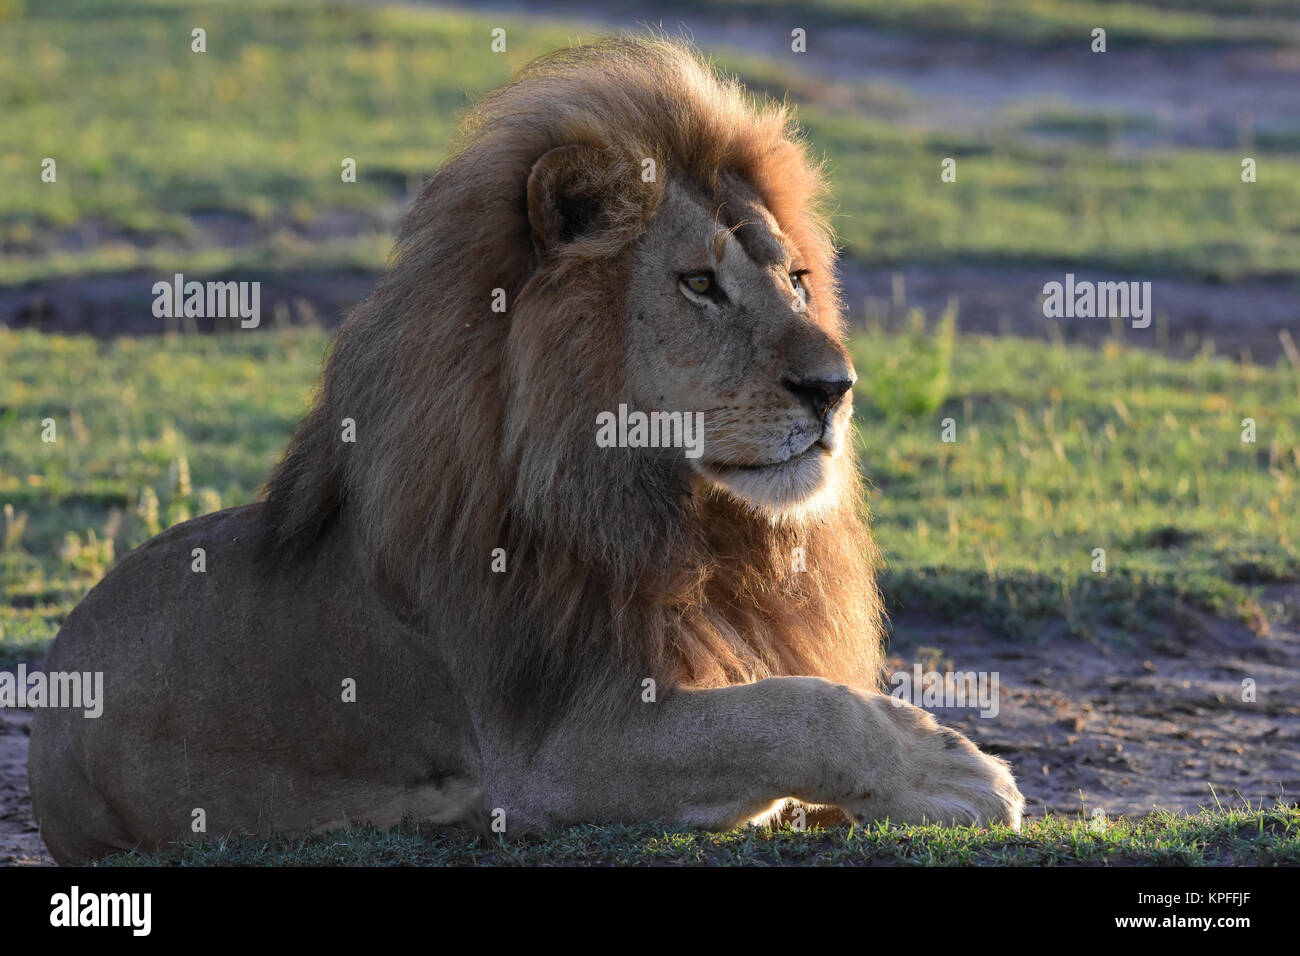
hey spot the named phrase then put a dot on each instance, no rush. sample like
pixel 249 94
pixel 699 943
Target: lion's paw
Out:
pixel 941 778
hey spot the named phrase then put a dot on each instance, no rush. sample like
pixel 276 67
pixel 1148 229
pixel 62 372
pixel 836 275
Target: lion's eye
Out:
pixel 701 283
pixel 796 280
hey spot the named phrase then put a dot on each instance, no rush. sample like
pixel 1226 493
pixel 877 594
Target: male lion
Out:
pixel 538 629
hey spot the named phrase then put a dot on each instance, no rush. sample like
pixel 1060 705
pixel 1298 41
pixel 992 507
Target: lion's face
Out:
pixel 722 319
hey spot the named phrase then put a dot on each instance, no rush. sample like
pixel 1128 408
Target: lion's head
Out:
pixel 650 239
pixel 722 317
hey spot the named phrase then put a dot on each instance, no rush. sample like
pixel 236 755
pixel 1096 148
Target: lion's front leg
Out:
pixel 719 758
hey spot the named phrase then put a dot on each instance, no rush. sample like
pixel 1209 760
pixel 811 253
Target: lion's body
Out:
pixel 503 591
pixel 223 694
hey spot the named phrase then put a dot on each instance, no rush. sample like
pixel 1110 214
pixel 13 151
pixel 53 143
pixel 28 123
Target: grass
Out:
pixel 254 131
pixel 1233 837
pixel 214 410
pixel 258 124
pixel 1058 451
pixel 1158 212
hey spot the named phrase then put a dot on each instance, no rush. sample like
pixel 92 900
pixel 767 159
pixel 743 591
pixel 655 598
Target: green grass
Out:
pixel 259 123
pixel 1017 202
pixel 256 128
pixel 217 409
pixel 1222 837
pixel 1059 451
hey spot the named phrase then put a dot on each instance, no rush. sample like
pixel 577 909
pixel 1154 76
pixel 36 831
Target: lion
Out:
pixel 453 603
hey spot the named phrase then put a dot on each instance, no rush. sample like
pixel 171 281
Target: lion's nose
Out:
pixel 821 395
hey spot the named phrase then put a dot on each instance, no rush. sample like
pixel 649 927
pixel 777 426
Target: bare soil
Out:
pixel 1128 729
pixel 20 842
pixel 1242 321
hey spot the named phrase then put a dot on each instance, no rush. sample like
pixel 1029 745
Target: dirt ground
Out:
pixel 20 843
pixel 1128 729
pixel 1086 725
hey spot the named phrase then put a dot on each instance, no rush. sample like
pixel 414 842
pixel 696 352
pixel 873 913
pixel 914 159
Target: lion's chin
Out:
pixel 786 489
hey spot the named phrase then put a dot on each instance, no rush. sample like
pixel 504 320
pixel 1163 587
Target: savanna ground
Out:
pixel 1121 691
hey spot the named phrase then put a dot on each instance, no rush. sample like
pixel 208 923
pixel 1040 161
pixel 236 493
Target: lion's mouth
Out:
pixel 795 484
pixel 776 486
pixel 813 451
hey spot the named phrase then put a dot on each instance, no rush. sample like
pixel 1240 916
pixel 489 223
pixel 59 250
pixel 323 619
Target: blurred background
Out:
pixel 1071 436
pixel 1127 161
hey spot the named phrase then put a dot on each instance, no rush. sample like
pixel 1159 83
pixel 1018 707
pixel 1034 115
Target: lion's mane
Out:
pixel 475 429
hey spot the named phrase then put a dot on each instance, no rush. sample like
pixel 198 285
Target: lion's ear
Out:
pixel 582 198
